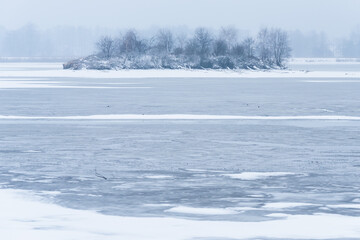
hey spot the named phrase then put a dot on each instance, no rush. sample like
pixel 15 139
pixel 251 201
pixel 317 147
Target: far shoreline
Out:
pixel 41 70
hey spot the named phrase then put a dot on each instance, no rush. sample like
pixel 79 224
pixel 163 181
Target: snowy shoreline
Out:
pixel 179 74
pixel 42 220
pixel 46 70
pixel 267 122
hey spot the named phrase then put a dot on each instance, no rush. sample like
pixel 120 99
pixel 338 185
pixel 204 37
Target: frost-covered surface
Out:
pixel 22 216
pixel 308 72
pixel 191 157
pixel 160 62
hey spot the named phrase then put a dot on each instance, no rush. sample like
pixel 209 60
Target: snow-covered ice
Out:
pixel 201 211
pixel 55 70
pixel 159 176
pixel 180 154
pixel 282 205
pixel 353 206
pixel 25 216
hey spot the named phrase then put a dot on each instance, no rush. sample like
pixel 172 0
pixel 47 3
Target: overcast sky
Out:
pixel 336 17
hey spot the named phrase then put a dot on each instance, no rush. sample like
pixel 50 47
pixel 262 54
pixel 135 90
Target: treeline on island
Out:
pixel 203 50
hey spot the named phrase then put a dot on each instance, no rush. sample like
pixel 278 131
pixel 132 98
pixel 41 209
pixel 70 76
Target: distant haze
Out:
pixel 70 28
pixel 335 17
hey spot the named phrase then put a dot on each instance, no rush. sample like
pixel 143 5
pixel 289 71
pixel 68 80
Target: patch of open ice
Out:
pixel 159 177
pixel 41 181
pixel 53 193
pixel 201 211
pixel 257 175
pixel 32 151
pixel 159 205
pixel 242 209
pixel 353 206
pixel 256 196
pixel 282 205
pixel 196 170
pixel 325 110
pixel 203 170
pixel 25 216
pixel 280 215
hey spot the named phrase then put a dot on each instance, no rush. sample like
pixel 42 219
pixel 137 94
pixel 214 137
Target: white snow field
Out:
pixel 25 217
pixel 180 154
pixel 298 70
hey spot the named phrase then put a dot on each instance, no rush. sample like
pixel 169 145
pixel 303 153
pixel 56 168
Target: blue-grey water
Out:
pixel 144 167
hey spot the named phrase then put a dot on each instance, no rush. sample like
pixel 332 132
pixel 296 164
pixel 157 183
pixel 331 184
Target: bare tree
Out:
pixel 273 46
pixel 220 47
pixel 106 47
pixel 180 40
pixel 165 41
pixel 238 51
pixel 269 49
pixel 279 43
pixel 229 35
pixel 191 48
pixel 263 46
pixel 249 47
pixel 203 40
pixel 129 43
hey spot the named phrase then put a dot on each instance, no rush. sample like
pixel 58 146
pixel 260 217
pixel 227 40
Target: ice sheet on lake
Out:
pixel 31 151
pixel 282 205
pixel 201 211
pixel 22 214
pixel 159 177
pixel 148 148
pixel 54 70
pixel 349 206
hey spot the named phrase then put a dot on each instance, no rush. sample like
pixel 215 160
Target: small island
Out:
pixel 203 50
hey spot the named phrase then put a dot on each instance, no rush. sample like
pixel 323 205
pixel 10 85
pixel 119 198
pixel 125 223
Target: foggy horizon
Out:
pixel 321 28
pixel 305 16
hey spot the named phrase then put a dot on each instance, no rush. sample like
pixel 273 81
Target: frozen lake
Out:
pixel 258 169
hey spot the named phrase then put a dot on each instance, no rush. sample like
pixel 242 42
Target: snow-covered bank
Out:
pixel 179 74
pixel 24 216
pixel 180 117
pixel 47 70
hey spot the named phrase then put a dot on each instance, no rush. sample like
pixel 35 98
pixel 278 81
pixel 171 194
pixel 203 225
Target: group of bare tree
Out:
pixel 203 49
pixel 273 46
